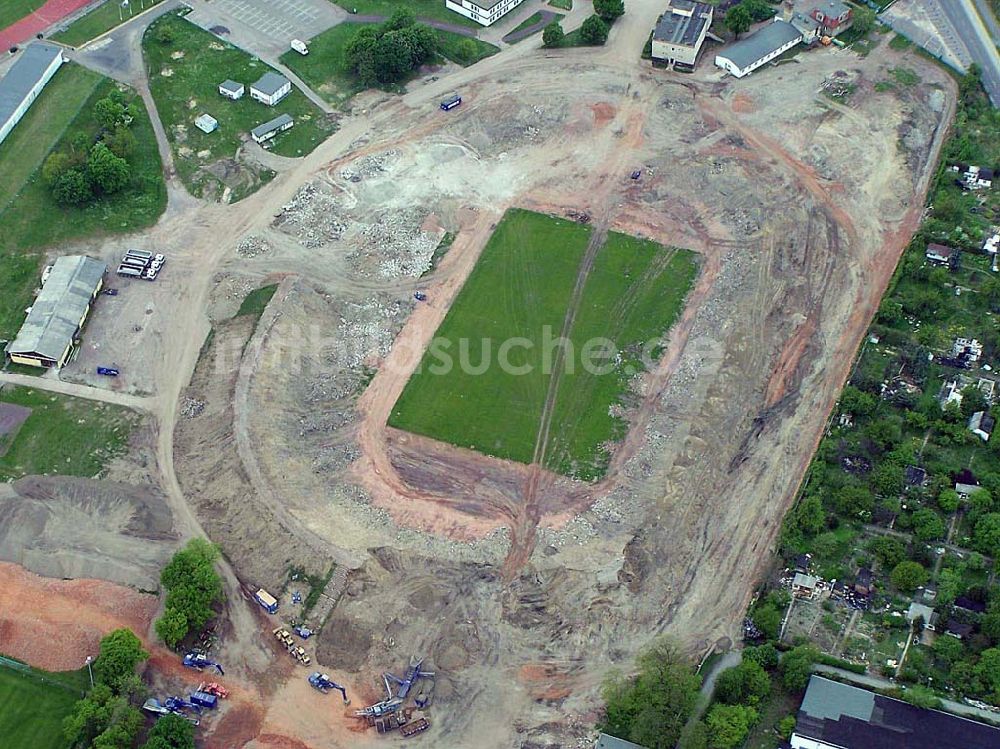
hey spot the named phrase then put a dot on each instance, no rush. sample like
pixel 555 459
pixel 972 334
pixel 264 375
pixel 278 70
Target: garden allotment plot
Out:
pixel 485 382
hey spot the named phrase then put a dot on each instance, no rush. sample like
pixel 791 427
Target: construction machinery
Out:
pixel 154 706
pixel 414 727
pixel 177 704
pixel 284 636
pixel 214 688
pixel 413 673
pixel 304 632
pixel 204 699
pixel 200 661
pixel 324 684
pixel 379 709
pixel 299 653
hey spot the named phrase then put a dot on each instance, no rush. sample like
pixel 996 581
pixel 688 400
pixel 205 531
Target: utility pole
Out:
pixel 90 670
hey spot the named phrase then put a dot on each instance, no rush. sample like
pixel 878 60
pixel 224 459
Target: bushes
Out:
pixel 88 170
pixel 729 725
pixel 193 588
pixel 553 35
pixel 908 576
pixel 594 31
pixel 391 52
pixel 609 10
pixel 121 651
pixel 747 683
pixel 652 708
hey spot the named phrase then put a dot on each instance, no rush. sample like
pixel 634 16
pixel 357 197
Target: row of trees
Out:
pixel 193 588
pixel 108 717
pixel 88 169
pixel 389 53
pixel 595 28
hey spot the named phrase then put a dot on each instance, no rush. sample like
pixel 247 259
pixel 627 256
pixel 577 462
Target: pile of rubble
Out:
pixel 367 331
pixel 312 216
pixel 252 246
pixel 396 246
pixel 191 407
pixel 368 166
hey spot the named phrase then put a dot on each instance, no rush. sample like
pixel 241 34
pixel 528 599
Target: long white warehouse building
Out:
pixel 25 81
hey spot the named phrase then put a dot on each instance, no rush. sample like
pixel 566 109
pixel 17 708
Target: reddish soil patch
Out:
pixel 743 104
pixel 55 624
pixel 240 725
pixel 603 113
pixel 39 21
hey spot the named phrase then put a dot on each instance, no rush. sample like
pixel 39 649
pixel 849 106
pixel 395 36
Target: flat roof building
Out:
pixel 745 56
pixel 839 716
pixel 206 123
pixel 270 88
pixel 25 81
pixel 232 89
pixel 483 12
pixel 271 128
pixel 59 312
pixel 680 33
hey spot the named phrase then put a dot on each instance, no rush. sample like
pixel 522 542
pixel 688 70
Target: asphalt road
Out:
pixel 963 16
pixel 986 13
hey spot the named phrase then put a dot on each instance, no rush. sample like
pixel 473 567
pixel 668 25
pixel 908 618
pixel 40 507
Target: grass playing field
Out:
pixel 33 705
pixel 100 20
pixel 500 339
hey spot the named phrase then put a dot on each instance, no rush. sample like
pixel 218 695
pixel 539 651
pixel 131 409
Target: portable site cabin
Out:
pixel 232 89
pixel 270 88
pixel 206 123
pixel 271 128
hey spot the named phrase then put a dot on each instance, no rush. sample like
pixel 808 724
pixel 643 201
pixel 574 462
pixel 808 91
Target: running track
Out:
pixel 41 19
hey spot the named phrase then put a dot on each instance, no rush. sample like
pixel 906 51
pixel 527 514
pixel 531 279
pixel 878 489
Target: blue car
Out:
pixel 107 371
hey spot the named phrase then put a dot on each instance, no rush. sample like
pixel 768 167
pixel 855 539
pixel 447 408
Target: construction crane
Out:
pixel 323 683
pixel 200 661
pixel 413 673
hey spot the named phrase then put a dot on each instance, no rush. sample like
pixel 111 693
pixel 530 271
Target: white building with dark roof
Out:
pixel 25 81
pixel 745 56
pixel 271 128
pixel 58 313
pixel 680 33
pixel 484 12
pixel 270 88
pixel 232 89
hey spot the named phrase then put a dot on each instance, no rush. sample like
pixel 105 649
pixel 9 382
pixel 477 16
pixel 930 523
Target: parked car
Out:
pixel 107 371
pixel 110 291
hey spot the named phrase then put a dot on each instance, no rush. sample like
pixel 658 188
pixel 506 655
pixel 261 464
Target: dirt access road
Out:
pixel 798 221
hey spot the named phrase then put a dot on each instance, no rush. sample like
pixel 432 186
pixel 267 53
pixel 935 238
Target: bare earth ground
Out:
pixel 521 588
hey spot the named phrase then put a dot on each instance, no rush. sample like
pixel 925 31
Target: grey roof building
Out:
pixel 605 741
pixel 750 53
pixel 835 715
pixel 24 81
pixel 270 88
pixel 272 127
pixel 58 313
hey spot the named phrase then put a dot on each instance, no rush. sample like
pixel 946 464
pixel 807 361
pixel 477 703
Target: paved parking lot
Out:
pixel 265 27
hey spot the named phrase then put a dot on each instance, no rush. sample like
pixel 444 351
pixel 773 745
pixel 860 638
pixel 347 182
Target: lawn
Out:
pixel 33 705
pixel 255 302
pixel 186 66
pixel 12 11
pixel 519 292
pixel 63 435
pixel 562 4
pixel 531 21
pixel 30 219
pixel 325 70
pixel 100 20
pixel 432 9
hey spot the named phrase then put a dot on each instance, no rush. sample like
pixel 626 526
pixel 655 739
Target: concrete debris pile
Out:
pixel 367 330
pixel 252 246
pixel 312 216
pixel 396 246
pixel 368 166
pixel 191 408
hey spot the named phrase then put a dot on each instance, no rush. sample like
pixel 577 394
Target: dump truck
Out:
pixel 268 602
pixel 414 727
pixel 283 636
pixel 299 654
pixel 204 699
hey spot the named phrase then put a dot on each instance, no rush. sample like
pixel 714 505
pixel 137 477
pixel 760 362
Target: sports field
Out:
pixel 485 380
pixel 33 705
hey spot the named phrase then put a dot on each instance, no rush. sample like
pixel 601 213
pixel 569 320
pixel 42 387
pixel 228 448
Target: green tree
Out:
pixel 928 525
pixel 400 19
pixel 889 551
pixel 864 20
pixel 973 400
pixel 987 534
pixel 171 732
pixel 109 113
pixel 108 172
pixel 796 667
pixel 987 670
pixel 888 479
pixel 164 35
pixel 854 501
pixel 785 727
pixel 652 708
pixel 908 576
pixel 765 656
pixel 949 649
pixel 858 403
pixel 103 720
pixel 991 619
pixel 738 20
pixel 767 618
pixel 729 725
pixel 553 35
pixel 760 10
pixel 121 142
pixel 981 500
pixel 172 627
pixel 747 683
pixel 594 31
pixel 55 166
pixel 609 10
pixel 120 652
pixel 72 187
pixel 949 585
pixel 948 500
pixel 359 54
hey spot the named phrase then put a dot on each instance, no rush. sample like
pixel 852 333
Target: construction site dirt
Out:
pixel 521 587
